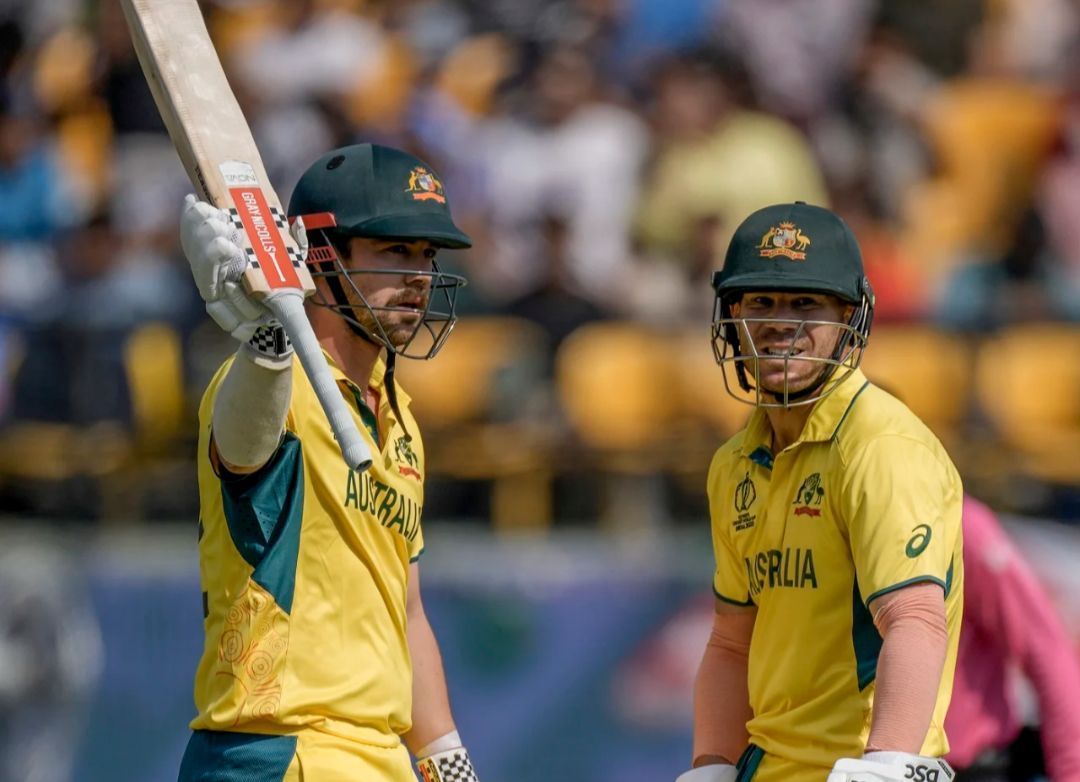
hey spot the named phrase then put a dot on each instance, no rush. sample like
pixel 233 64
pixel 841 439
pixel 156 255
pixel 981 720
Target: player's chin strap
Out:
pixel 337 290
pixel 391 391
pixel 445 760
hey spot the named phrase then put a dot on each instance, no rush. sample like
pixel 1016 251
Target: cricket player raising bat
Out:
pixel 836 529
pixel 319 658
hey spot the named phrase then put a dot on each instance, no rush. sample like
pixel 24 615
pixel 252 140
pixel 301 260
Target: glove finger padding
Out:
pixel 891 767
pixel 235 313
pixel 212 246
pixel 299 235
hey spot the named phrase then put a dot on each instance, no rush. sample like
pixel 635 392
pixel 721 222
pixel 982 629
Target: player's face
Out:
pixel 788 331
pixel 398 290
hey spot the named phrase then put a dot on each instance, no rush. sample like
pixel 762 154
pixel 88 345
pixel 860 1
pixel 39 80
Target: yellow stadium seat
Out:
pixel 701 385
pixel 1028 384
pixel 470 401
pixel 615 382
pixel 154 366
pixel 928 370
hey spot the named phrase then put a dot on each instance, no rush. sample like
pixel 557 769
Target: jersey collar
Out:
pixel 378 376
pixel 822 425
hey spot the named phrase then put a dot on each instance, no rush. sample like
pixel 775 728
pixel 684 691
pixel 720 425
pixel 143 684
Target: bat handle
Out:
pixel 288 308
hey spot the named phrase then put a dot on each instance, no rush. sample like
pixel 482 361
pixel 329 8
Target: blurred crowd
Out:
pixel 600 152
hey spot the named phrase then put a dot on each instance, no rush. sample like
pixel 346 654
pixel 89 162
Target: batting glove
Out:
pixel 445 760
pixel 213 245
pixel 718 772
pixel 891 767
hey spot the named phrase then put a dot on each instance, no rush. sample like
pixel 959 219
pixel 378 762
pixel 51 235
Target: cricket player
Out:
pixel 836 529
pixel 319 662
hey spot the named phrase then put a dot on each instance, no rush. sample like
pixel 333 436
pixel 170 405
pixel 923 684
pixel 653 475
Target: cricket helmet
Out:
pixel 790 248
pixel 369 190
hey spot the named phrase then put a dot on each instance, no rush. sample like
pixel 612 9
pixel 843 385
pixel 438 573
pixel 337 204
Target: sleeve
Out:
pixel 902 506
pixel 729 580
pixel 416 542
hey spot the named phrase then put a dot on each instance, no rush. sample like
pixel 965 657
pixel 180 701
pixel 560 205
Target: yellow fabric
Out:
pixel 865 501
pixel 337 658
pixel 322 756
pixel 751 161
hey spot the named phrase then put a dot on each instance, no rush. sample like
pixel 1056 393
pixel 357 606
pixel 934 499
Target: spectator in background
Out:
pixel 1009 622
pixel 556 306
pixel 1027 282
pixel 794 68
pixel 714 162
pixel 569 144
pixel 32 186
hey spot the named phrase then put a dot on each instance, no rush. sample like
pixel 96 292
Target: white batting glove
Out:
pixel 718 772
pixel 213 246
pixel 891 767
pixel 445 760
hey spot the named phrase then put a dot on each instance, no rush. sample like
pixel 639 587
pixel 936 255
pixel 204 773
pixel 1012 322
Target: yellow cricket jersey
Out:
pixel 865 502
pixel 304 570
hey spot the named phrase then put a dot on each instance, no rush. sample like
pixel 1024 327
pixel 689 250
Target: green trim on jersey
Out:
pixel 264 512
pixel 219 756
pixel 851 404
pixel 748 604
pixel 417 557
pixel 909 582
pixel 367 416
pixel 949 577
pixel 865 638
pixel 748 763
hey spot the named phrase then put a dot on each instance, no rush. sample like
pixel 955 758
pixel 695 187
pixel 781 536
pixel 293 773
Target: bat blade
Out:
pixel 216 147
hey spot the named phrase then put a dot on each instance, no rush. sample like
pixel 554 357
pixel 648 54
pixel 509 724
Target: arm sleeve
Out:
pixel 1009 601
pixel 902 510
pixel 915 644
pixel 250 405
pixel 721 693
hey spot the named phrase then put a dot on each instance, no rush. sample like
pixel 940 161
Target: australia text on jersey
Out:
pixel 775 568
pixel 389 507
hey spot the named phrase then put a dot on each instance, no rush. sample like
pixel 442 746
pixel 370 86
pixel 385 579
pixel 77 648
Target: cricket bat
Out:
pixel 219 154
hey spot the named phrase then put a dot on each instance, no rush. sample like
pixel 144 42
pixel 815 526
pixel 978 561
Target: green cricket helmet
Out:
pixel 368 190
pixel 790 248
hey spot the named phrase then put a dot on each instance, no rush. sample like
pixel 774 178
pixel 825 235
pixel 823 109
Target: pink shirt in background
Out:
pixel 1010 623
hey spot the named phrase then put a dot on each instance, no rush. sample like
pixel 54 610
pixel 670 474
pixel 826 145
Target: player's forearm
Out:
pixel 249 411
pixel 431 716
pixel 915 635
pixel 721 694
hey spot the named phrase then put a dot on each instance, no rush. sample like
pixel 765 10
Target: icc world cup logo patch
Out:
pixel 745 496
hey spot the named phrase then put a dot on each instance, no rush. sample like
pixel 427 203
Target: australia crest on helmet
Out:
pixel 425 186
pixel 785 239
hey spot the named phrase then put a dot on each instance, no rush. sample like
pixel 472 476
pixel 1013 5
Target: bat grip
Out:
pixel 288 308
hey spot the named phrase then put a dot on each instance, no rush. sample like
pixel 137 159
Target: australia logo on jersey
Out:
pixel 745 496
pixel 408 463
pixel 809 496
